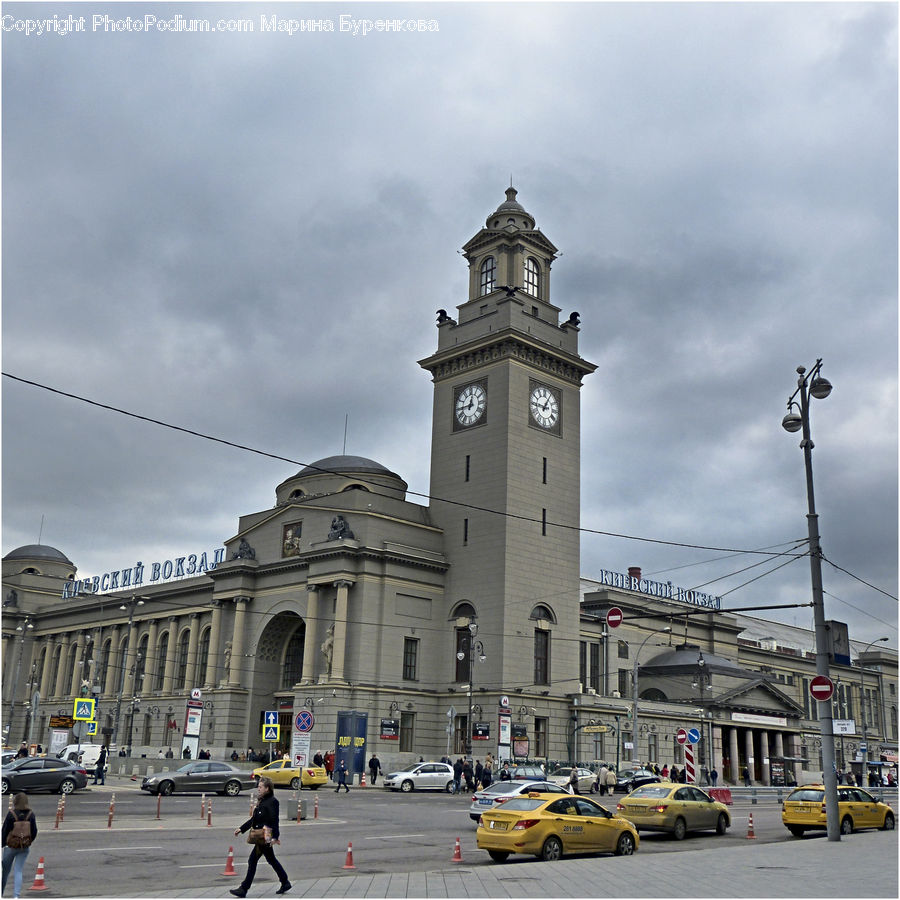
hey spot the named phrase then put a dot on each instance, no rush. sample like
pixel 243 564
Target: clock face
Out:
pixel 470 404
pixel 544 407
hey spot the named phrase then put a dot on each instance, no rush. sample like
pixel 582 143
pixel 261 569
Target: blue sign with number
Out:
pixel 693 736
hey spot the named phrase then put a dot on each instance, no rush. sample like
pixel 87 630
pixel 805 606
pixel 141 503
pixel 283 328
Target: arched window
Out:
pixel 532 277
pixel 120 666
pixel 654 694
pixel 161 656
pixel 488 275
pixel 623 649
pixel 542 612
pixel 293 659
pixel 54 670
pixel 202 656
pixel 70 672
pixel 181 664
pixel 140 664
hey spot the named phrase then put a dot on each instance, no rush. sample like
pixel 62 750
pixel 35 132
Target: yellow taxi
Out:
pixel 675 808
pixel 283 774
pixel 549 825
pixel 804 810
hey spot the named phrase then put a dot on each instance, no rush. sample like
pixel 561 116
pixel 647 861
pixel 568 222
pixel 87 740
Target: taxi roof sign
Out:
pixel 84 709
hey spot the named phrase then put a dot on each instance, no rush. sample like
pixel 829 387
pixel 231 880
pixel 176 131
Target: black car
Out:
pixel 43 773
pixel 628 780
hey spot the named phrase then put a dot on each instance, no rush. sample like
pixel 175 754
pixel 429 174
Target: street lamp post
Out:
pixel 812 385
pixel 864 750
pixel 704 680
pixel 22 628
pixel 634 694
pixel 473 647
pixel 130 605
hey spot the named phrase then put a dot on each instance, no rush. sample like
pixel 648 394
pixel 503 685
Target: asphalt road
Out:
pixel 390 832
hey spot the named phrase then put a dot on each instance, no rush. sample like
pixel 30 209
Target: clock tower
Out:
pixel 505 461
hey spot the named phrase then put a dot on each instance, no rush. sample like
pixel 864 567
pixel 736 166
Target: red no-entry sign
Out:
pixel 681 736
pixel 821 688
pixel 614 617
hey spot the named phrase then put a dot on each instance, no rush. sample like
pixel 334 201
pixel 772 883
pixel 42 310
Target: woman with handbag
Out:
pixel 19 832
pixel 264 833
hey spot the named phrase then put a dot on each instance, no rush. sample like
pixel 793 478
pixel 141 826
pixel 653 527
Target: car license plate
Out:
pixel 485 802
pixel 802 809
pixel 498 826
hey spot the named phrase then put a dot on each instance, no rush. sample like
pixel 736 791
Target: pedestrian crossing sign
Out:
pixel 91 727
pixel 270 733
pixel 84 709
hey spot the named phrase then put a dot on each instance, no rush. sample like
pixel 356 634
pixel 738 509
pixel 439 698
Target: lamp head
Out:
pixel 820 387
pixel 460 656
pixel 792 422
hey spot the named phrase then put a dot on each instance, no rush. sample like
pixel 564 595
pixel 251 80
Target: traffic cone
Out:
pixel 457 853
pixel 229 863
pixel 750 834
pixel 362 780
pixel 349 863
pixel 39 878
pixel 316 809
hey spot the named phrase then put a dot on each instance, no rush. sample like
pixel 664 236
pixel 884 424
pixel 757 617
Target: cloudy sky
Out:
pixel 248 234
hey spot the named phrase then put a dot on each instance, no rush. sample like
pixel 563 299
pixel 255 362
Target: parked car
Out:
pixel 527 772
pixel 85 754
pixel 562 775
pixel 629 779
pixel 674 808
pixel 42 773
pixel 283 774
pixel 430 776
pixel 804 810
pixel 201 776
pixel 548 825
pixel 501 791
pixel 7 757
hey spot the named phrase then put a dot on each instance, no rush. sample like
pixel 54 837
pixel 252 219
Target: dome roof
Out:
pixel 513 213
pixel 345 465
pixel 684 660
pixel 38 551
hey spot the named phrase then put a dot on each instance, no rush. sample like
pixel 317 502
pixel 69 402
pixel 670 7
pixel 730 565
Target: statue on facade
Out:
pixel 227 655
pixel 244 551
pixel 339 529
pixel 328 648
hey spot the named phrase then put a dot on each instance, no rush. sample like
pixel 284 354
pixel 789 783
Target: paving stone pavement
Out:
pixel 861 865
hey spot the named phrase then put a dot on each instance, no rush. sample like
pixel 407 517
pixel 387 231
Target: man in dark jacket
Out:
pixel 457 775
pixel 374 767
pixel 478 770
pixel 100 769
pixel 469 775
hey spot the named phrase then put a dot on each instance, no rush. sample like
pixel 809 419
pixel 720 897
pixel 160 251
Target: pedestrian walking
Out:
pixel 329 764
pixel 374 768
pixel 601 779
pixel 573 781
pixel 487 774
pixel 457 775
pixel 342 778
pixel 19 832
pixel 479 769
pixel 714 777
pixel 664 773
pixel 100 768
pixel 264 834
pixel 469 775
pixel 746 774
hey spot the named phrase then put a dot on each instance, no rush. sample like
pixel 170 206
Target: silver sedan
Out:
pixel 502 791
pixel 201 776
pixel 432 776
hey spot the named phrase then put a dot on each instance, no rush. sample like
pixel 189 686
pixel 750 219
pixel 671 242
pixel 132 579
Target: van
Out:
pixel 85 754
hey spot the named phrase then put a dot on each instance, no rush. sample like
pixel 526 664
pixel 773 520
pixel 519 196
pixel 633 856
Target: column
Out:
pixel 114 667
pixel 734 773
pixel 61 671
pixel 96 647
pixel 312 629
pixel 79 673
pixel 190 676
pixel 237 639
pixel 340 629
pixel 748 752
pixel 716 761
pixel 764 753
pixel 151 663
pixel 794 744
pixel 172 655
pixel 46 689
pixel 130 660
pixel 212 661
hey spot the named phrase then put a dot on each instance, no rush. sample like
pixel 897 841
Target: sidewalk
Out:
pixel 861 865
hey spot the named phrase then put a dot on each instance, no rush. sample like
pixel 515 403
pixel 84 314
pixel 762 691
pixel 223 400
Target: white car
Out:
pixel 501 791
pixel 562 775
pixel 430 776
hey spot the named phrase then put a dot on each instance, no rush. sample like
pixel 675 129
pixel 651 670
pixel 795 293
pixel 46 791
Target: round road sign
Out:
pixel 614 617
pixel 681 736
pixel 304 721
pixel 693 736
pixel 821 688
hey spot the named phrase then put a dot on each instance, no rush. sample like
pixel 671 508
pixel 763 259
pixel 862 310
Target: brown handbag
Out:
pixel 256 836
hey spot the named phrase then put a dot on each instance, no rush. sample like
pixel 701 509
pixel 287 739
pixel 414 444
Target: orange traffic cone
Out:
pixel 362 780
pixel 457 853
pixel 750 834
pixel 39 877
pixel 229 863
pixel 349 863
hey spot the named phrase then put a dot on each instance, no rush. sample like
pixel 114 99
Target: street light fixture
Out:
pixel 130 605
pixel 864 751
pixel 813 385
pixel 634 692
pixel 470 646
